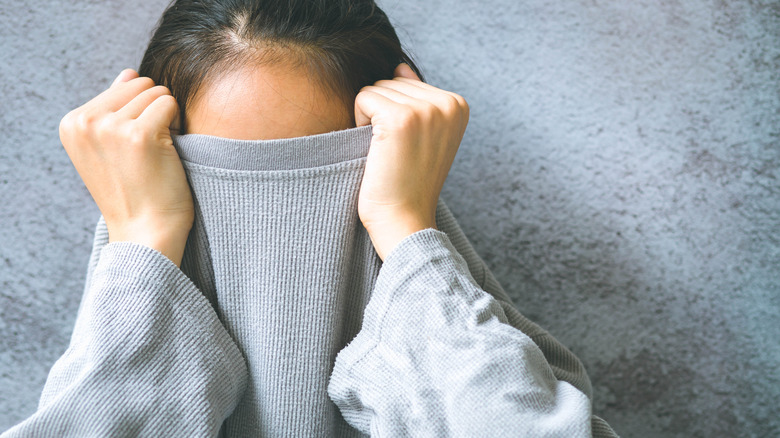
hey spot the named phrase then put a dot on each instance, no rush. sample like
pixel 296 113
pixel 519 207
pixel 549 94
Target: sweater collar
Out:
pixel 280 154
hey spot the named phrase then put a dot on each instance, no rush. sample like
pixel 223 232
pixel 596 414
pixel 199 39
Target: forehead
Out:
pixel 265 102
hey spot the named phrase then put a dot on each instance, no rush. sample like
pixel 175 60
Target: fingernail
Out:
pixel 118 77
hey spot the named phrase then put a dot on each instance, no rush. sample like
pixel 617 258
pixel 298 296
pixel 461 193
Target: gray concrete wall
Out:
pixel 619 175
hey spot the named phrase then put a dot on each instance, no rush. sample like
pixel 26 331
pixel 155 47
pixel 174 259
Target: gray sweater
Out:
pixel 282 320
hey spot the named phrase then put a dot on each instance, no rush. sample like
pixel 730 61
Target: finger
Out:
pixel 403 70
pixel 136 107
pixel 119 95
pixel 124 76
pixel 417 83
pixel 443 100
pixel 431 94
pixel 398 96
pixel 423 85
pixel 421 90
pixel 369 103
pixel 162 112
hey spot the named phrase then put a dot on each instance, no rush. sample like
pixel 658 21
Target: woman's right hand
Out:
pixel 120 143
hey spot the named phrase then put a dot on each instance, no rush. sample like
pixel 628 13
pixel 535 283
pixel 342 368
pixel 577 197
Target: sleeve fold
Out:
pixel 438 356
pixel 148 356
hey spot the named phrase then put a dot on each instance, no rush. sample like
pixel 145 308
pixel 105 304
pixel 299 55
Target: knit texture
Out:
pixel 148 356
pixel 283 321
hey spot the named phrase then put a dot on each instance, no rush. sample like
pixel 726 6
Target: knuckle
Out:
pixel 66 129
pixel 455 106
pixel 407 113
pixel 84 121
pixel 366 89
pixel 462 102
pixel 451 105
pixel 161 90
pixel 67 122
pixel 407 117
pixel 432 111
pixel 122 134
pixel 166 103
pixel 144 82
pixel 105 128
pixel 137 137
pixel 168 99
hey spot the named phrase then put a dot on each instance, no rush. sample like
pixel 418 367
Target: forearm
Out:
pixel 148 356
pixel 437 356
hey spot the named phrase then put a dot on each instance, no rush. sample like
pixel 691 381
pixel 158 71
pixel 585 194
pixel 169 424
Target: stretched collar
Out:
pixel 280 154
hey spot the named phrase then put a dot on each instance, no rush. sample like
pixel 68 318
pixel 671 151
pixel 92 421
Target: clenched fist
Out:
pixel 120 143
pixel 417 129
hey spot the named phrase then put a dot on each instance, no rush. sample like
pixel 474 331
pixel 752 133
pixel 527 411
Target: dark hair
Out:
pixel 344 44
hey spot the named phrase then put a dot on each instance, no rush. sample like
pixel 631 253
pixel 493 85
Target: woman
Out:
pixel 269 273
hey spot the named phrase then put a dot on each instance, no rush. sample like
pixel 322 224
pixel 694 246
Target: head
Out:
pixel 270 68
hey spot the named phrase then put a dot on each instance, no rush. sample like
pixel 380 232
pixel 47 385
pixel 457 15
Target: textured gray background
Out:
pixel 619 175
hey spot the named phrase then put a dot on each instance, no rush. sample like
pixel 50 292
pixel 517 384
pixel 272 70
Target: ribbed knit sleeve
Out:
pixel 148 356
pixel 438 356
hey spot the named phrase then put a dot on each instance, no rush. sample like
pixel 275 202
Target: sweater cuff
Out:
pixel 144 284
pixel 418 244
pixel 146 342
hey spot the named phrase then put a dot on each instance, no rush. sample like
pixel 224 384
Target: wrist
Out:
pixel 387 234
pixel 168 238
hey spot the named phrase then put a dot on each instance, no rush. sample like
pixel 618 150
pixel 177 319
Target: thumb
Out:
pixel 403 70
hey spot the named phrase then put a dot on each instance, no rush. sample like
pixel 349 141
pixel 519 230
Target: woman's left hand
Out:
pixel 417 129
